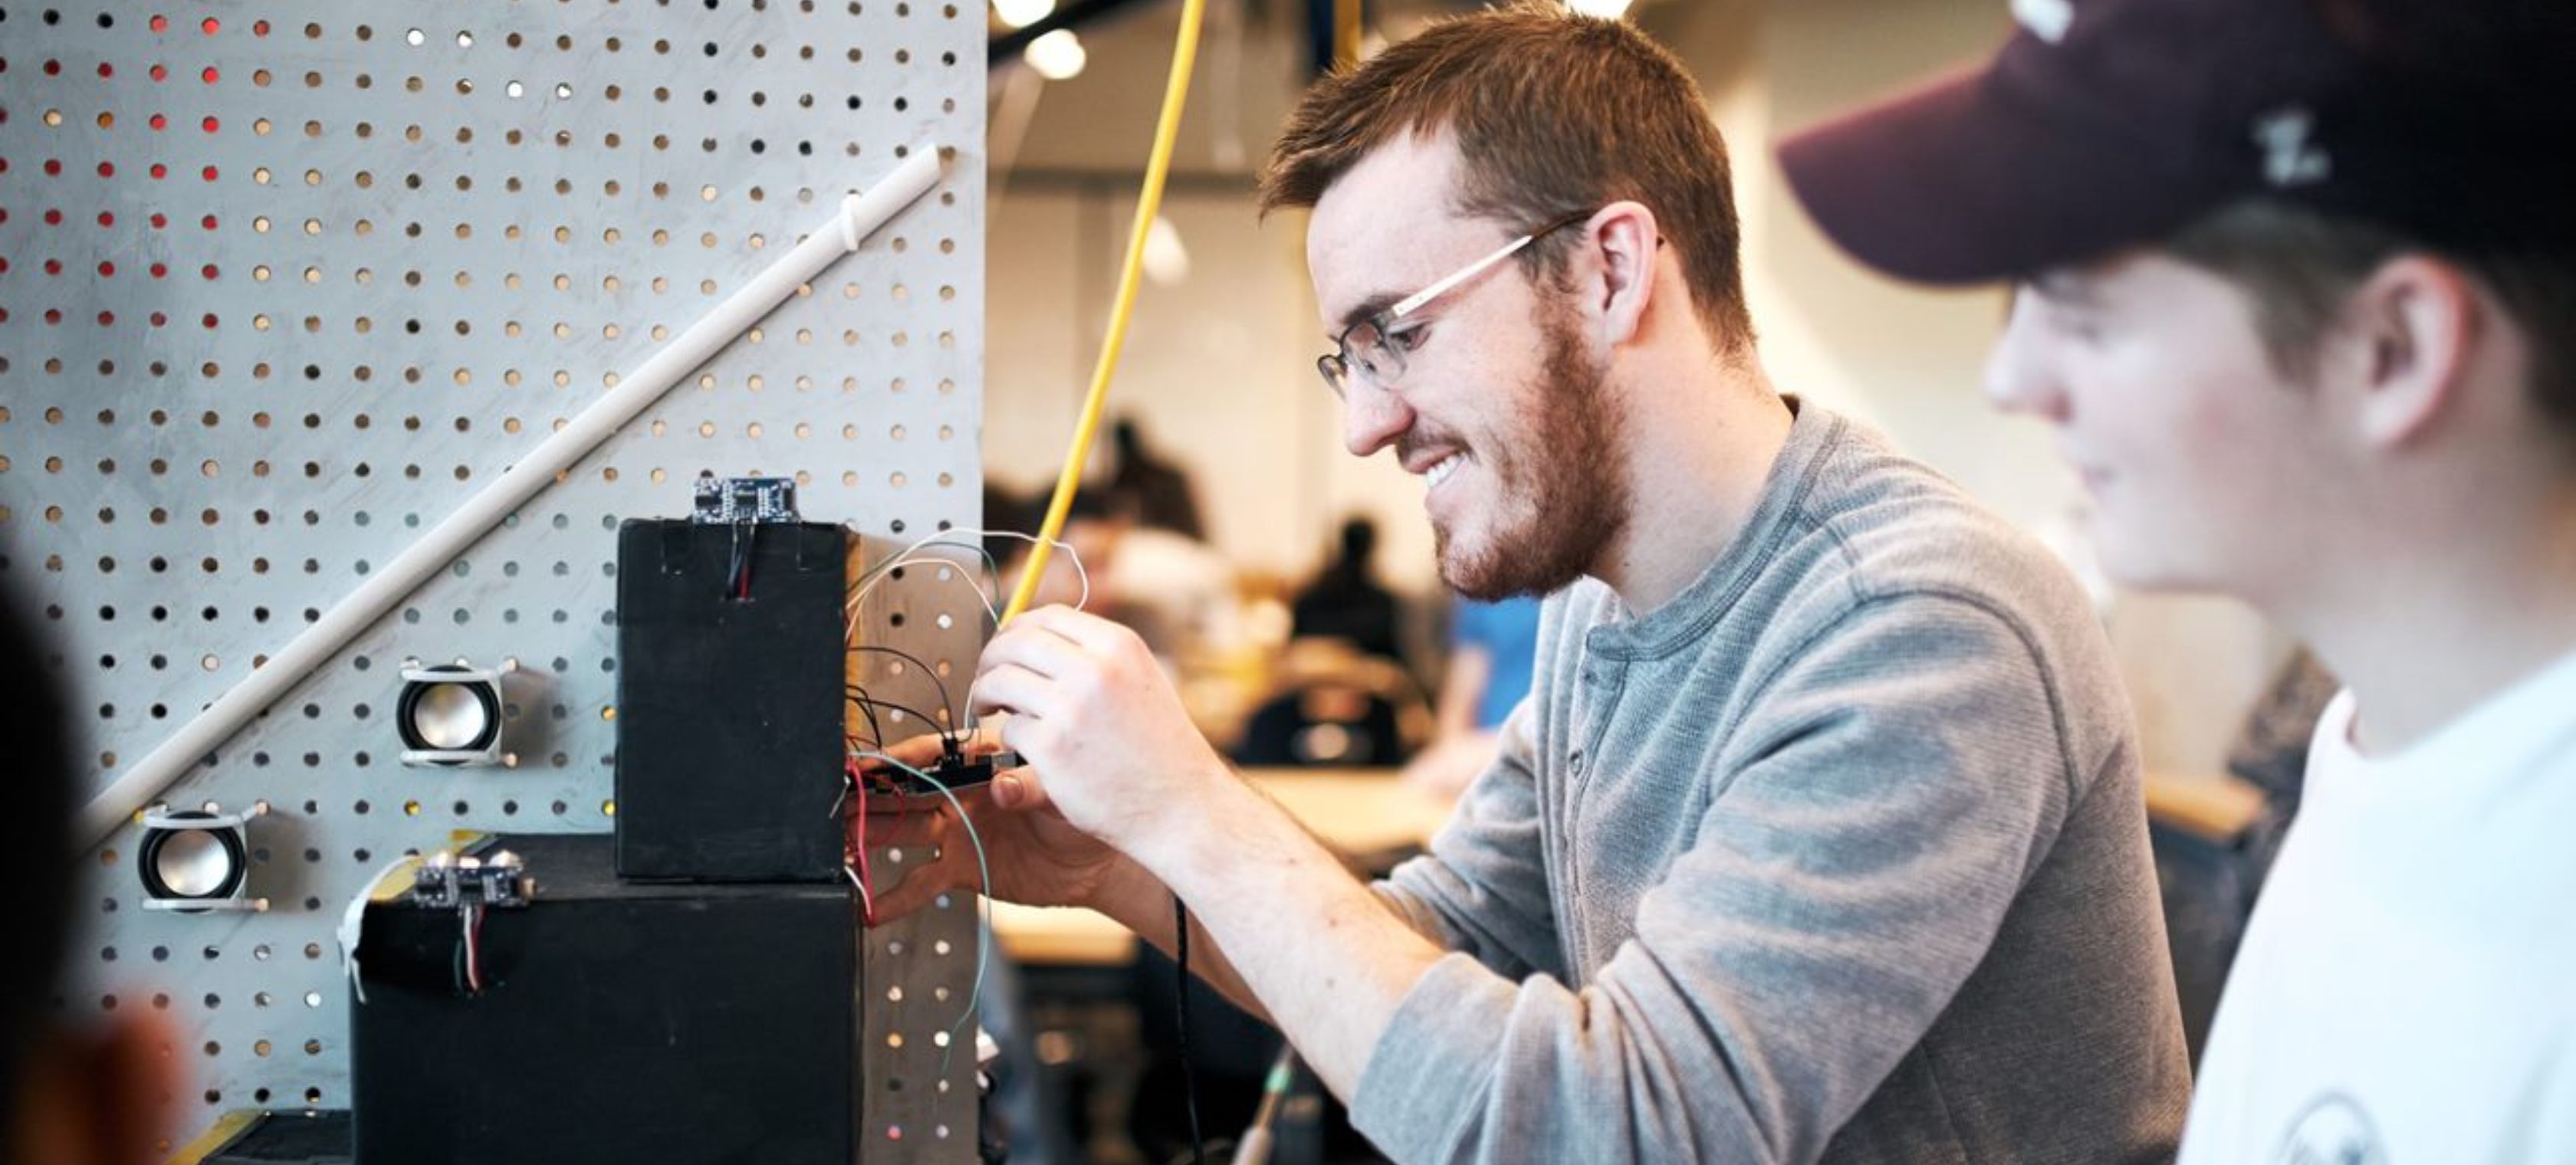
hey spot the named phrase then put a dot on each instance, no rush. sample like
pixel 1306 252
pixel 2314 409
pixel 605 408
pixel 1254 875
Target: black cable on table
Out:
pixel 1189 1075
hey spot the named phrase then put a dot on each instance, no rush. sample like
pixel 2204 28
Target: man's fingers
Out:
pixel 905 822
pixel 1087 631
pixel 1019 790
pixel 1010 688
pixel 1035 648
pixel 918 751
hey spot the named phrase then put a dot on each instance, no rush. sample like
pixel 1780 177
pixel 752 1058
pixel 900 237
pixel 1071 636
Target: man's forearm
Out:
pixel 1142 903
pixel 1295 934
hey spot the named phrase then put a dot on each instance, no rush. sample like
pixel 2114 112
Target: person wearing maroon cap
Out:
pixel 2297 290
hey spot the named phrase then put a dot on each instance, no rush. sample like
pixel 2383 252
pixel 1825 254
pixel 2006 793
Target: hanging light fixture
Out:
pixel 196 860
pixel 450 714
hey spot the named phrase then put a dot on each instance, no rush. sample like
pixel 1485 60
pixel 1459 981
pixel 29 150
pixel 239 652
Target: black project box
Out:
pixel 730 700
pixel 619 1021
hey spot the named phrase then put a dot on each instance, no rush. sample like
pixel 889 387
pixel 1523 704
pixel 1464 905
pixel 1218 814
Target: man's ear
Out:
pixel 2406 335
pixel 1624 236
pixel 100 1096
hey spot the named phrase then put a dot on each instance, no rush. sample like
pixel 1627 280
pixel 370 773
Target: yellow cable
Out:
pixel 1346 33
pixel 1148 203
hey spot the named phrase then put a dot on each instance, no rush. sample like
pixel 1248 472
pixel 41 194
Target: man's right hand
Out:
pixel 1035 855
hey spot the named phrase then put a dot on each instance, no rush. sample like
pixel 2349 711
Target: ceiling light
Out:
pixel 1023 13
pixel 1057 56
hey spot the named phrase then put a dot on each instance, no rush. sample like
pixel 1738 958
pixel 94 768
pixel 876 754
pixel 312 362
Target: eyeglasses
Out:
pixel 1374 349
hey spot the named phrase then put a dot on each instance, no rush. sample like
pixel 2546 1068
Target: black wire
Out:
pixel 860 697
pixel 865 703
pixel 928 674
pixel 1189 1075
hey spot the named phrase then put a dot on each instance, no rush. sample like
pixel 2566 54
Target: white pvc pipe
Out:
pixel 858 216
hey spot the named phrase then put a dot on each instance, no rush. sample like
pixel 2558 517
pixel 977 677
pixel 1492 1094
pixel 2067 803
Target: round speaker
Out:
pixel 448 717
pixel 182 863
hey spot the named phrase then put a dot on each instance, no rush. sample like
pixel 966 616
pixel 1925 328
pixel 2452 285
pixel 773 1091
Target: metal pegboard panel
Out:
pixel 283 282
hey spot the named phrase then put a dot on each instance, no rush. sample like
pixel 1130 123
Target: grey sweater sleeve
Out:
pixel 1867 827
pixel 1483 889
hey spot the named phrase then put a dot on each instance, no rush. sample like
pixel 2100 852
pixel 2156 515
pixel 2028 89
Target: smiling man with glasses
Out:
pixel 1820 835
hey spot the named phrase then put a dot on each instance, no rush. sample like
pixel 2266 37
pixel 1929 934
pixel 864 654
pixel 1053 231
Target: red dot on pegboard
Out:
pixel 160 270
pixel 210 321
pixel 210 173
pixel 160 72
pixel 160 23
pixel 107 319
pixel 160 171
pixel 207 222
pixel 259 28
pixel 159 220
pixel 209 271
pixel 107 169
pixel 211 124
pixel 53 68
pixel 53 167
pixel 54 316
pixel 107 218
pixel 160 121
pixel 53 217
pixel 106 70
pixel 211 75
pixel 53 266
pixel 107 270
pixel 212 26
pixel 158 319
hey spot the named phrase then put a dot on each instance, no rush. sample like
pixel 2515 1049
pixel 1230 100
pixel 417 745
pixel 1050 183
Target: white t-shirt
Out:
pixel 2406 993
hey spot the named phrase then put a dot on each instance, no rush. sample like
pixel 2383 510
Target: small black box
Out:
pixel 618 1021
pixel 730 690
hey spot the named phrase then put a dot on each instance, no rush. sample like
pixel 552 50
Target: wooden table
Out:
pixel 1355 810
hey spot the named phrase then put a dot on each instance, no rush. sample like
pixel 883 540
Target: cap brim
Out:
pixel 1957 183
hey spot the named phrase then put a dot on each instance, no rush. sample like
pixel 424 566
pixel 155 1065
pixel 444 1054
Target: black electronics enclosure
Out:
pixel 618 1021
pixel 730 701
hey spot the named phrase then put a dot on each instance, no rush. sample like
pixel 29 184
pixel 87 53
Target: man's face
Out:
pixel 1503 407
pixel 2202 460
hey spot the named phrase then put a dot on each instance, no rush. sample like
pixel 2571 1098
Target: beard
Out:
pixel 1563 477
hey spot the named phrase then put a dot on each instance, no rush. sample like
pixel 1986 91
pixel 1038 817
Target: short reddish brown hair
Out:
pixel 1553 113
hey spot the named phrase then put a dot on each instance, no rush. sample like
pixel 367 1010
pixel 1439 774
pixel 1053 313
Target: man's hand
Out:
pixel 1034 855
pixel 1091 709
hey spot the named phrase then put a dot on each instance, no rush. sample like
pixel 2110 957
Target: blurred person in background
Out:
pixel 1493 647
pixel 1156 492
pixel 1347 602
pixel 85 1088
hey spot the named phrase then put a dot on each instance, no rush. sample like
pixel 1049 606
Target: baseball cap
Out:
pixel 2108 123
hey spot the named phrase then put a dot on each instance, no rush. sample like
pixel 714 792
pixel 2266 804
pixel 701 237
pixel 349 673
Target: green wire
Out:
pixel 983 921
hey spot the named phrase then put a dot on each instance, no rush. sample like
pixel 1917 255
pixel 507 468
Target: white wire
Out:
pixel 958 576
pixel 877 574
pixel 353 918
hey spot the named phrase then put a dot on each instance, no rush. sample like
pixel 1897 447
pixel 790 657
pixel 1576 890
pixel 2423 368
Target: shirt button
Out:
pixel 1575 762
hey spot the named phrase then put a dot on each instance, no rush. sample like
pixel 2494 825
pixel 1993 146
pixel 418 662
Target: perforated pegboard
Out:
pixel 281 283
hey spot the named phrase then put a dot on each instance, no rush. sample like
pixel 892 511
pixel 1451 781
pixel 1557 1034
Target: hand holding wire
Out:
pixel 1092 711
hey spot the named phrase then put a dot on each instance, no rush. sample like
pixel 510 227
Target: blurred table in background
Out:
pixel 1352 810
